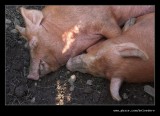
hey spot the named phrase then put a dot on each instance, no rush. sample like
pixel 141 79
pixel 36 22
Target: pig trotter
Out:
pixel 77 64
pixel 114 88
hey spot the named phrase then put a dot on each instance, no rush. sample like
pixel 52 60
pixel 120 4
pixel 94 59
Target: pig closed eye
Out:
pixel 33 42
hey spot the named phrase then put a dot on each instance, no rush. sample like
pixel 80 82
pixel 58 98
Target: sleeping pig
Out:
pixel 58 33
pixel 129 57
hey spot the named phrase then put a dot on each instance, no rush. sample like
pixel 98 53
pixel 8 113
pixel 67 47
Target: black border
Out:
pixel 89 108
pixel 81 2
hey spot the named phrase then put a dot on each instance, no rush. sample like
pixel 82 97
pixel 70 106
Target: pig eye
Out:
pixel 33 42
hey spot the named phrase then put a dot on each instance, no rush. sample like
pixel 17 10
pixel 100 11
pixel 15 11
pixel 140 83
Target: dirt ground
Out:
pixel 54 88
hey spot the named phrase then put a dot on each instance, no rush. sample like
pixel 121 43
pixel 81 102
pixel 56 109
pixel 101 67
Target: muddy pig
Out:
pixel 129 57
pixel 58 33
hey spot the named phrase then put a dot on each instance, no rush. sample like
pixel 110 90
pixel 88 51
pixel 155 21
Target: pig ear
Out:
pixel 131 50
pixel 31 17
pixel 21 30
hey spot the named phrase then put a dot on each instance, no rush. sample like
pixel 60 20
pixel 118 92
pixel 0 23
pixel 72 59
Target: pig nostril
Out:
pixel 41 67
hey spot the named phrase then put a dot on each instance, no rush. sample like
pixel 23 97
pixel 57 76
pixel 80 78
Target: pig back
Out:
pixel 141 34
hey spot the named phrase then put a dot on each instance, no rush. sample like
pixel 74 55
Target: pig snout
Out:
pixel 43 69
pixel 69 64
pixel 72 64
pixel 33 76
pixel 34 69
pixel 76 64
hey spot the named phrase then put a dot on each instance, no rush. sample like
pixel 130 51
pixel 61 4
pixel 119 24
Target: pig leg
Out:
pixel 114 88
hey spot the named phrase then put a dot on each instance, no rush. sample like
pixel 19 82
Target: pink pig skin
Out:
pixel 58 33
pixel 129 57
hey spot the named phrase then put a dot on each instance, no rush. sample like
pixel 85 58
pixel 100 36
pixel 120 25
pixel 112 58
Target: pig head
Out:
pixel 129 57
pixel 58 33
pixel 42 47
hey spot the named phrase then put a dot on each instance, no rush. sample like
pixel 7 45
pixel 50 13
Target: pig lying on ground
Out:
pixel 129 57
pixel 58 33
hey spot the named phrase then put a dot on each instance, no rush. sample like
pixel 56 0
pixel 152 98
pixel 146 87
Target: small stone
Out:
pixel 33 100
pixel 68 72
pixel 35 84
pixel 71 88
pixel 19 42
pixel 150 90
pixel 88 90
pixel 20 91
pixel 8 21
pixel 13 31
pixel 39 80
pixel 134 96
pixel 125 96
pixel 89 82
pixel 72 79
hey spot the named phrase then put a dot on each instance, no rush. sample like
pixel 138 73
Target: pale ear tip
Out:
pixel 146 57
pixel 22 9
pixel 17 27
pixel 117 98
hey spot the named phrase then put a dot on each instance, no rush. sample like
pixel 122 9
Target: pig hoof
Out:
pixel 32 77
pixel 114 88
pixel 117 98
